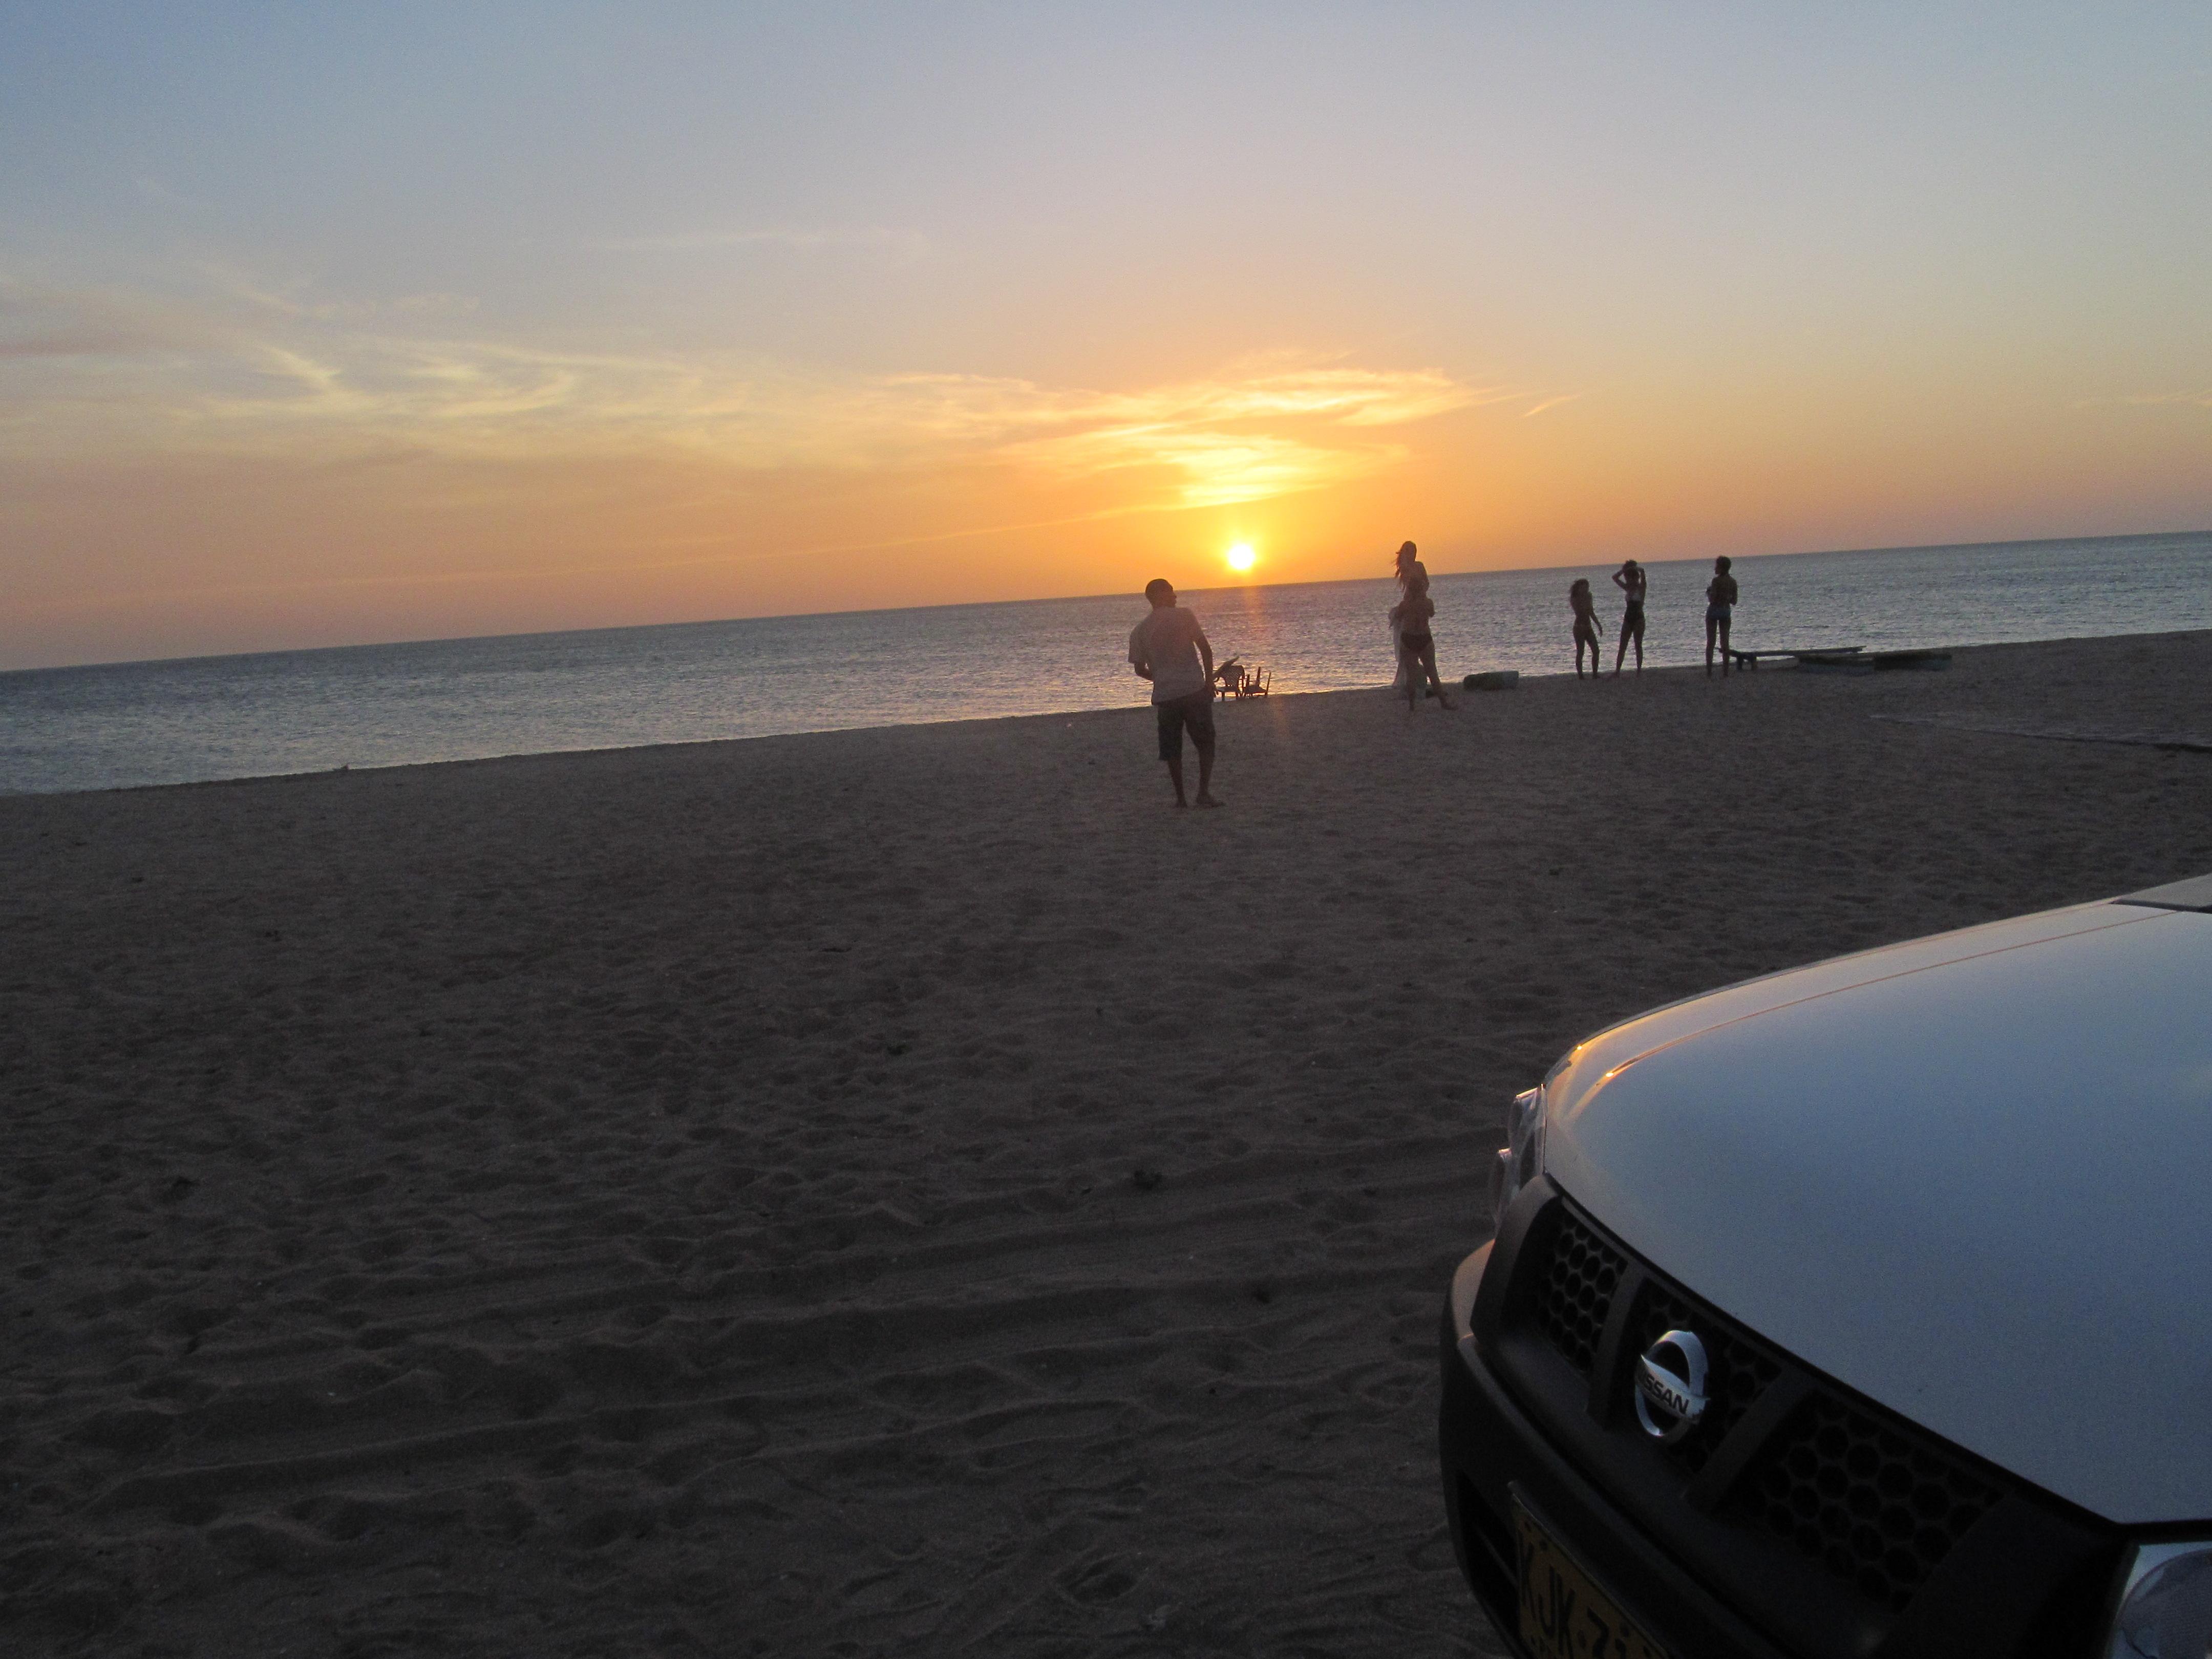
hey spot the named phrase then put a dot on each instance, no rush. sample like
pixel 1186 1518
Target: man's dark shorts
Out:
pixel 1194 711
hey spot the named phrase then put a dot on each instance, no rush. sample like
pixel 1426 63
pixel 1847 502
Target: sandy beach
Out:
pixel 907 1190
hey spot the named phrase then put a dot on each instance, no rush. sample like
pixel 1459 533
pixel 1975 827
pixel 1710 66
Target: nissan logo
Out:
pixel 1670 1387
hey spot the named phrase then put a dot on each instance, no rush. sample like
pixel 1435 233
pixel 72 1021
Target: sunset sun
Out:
pixel 1242 557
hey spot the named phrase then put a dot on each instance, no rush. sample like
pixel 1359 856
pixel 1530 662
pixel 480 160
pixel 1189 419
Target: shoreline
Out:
pixel 1525 679
pixel 905 1187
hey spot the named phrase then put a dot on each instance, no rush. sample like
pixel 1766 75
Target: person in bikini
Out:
pixel 1630 579
pixel 1416 645
pixel 1720 612
pixel 1586 634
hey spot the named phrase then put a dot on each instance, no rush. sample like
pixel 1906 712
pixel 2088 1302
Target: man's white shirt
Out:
pixel 1167 642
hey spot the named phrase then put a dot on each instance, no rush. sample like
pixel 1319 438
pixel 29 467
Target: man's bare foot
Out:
pixel 1207 800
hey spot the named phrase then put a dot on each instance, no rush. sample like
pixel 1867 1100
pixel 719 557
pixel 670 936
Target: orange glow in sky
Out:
pixel 330 334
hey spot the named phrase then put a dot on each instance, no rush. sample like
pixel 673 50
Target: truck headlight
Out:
pixel 1521 1160
pixel 2166 1608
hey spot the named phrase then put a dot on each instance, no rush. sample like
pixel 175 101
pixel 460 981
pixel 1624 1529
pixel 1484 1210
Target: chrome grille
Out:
pixel 1876 1502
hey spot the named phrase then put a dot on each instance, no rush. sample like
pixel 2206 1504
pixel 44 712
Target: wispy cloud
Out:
pixel 274 371
pixel 1239 437
pixel 1550 403
pixel 256 295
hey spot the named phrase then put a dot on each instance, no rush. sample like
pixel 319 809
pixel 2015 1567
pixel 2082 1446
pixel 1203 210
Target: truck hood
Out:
pixel 1969 1176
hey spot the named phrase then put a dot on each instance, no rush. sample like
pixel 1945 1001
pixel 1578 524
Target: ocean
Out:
pixel 126 724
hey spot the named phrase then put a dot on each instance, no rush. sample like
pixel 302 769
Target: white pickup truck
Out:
pixel 1864 1310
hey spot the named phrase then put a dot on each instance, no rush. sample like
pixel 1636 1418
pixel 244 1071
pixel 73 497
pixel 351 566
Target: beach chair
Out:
pixel 1255 683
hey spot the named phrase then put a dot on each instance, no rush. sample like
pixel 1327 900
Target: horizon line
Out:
pixel 1068 599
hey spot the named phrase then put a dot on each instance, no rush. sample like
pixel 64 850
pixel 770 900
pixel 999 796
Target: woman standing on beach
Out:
pixel 1720 612
pixel 1586 634
pixel 1630 579
pixel 1409 619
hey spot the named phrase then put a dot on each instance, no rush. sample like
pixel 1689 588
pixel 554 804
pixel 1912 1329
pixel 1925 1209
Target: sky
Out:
pixel 330 324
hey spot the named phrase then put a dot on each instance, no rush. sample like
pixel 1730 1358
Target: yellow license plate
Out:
pixel 1564 1613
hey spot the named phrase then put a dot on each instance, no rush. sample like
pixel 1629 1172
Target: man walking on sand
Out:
pixel 1166 648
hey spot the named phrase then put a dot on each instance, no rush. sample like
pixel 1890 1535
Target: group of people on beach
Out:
pixel 1169 649
pixel 1629 579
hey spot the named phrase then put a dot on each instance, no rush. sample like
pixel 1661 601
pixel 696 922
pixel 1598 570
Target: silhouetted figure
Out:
pixel 1586 632
pixel 1409 619
pixel 1630 579
pixel 1166 648
pixel 1720 612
